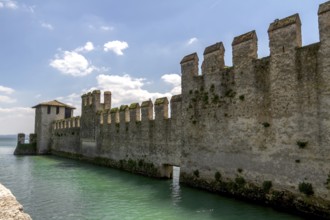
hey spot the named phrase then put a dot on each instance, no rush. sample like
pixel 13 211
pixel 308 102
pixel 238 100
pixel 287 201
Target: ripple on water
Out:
pixel 56 188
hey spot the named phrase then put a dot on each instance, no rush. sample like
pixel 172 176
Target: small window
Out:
pixel 68 113
pixel 48 109
pixel 57 110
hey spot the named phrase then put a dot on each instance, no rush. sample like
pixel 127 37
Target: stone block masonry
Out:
pixel 10 208
pixel 258 130
pixel 23 148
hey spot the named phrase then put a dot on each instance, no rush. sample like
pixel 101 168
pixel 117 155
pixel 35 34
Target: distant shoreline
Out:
pixel 11 136
pixel 8 135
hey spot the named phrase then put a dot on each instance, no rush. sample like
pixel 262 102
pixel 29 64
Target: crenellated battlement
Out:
pixel 213 58
pixel 245 48
pixel 262 120
pixel 73 122
pixel 23 148
pixel 133 112
pixel 91 101
pixel 284 37
pixel 236 90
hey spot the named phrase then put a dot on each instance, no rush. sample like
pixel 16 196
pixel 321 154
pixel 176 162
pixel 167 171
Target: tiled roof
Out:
pixel 54 103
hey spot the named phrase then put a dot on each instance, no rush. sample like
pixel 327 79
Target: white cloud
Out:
pixel 106 28
pixel 102 27
pixel 73 99
pixel 116 46
pixel 47 25
pixel 126 89
pixel 192 40
pixel 6 99
pixel 72 63
pixel 30 8
pixel 17 119
pixel 6 90
pixel 89 46
pixel 174 80
pixel 11 4
pixel 8 4
pixel 20 110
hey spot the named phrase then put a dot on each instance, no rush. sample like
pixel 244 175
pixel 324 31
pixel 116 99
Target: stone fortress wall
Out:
pixel 140 138
pixel 258 130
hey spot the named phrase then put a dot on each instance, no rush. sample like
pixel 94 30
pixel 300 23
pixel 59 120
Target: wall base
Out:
pixel 306 206
pixel 25 149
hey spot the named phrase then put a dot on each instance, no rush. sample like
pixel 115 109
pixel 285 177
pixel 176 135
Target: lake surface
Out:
pixel 50 187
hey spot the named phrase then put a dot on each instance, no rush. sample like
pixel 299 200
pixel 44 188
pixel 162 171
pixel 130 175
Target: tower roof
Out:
pixel 54 103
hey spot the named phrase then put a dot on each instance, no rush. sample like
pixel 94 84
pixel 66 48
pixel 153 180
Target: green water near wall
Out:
pixel 55 188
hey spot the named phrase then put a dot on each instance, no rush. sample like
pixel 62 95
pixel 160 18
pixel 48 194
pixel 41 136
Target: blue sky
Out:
pixel 59 49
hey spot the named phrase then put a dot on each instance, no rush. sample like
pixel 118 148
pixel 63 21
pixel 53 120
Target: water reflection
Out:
pixel 175 186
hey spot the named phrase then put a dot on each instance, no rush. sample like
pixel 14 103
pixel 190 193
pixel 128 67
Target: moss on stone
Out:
pixel 206 98
pixel 196 173
pixel 217 176
pixel 123 108
pixel 134 105
pixel 248 191
pixel 161 101
pixel 99 112
pixel 306 188
pixel 26 149
pixel 146 104
pixel 240 181
pixel 266 124
pixel 302 144
pixel 230 93
pixel 130 165
pixel 139 166
pixel 327 183
pixel 215 99
pixel 212 88
pixel 114 110
pixel 266 185
pixel 176 98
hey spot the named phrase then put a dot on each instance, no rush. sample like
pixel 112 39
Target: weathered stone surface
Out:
pixel 325 7
pixel 190 57
pixel 262 121
pixel 277 24
pixel 213 58
pixel 10 208
pixel 26 149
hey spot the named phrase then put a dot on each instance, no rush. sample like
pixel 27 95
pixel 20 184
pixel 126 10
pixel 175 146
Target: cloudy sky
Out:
pixel 60 49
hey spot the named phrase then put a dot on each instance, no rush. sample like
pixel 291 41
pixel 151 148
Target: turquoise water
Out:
pixel 50 187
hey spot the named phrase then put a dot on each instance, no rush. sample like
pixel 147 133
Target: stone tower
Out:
pixel 46 113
